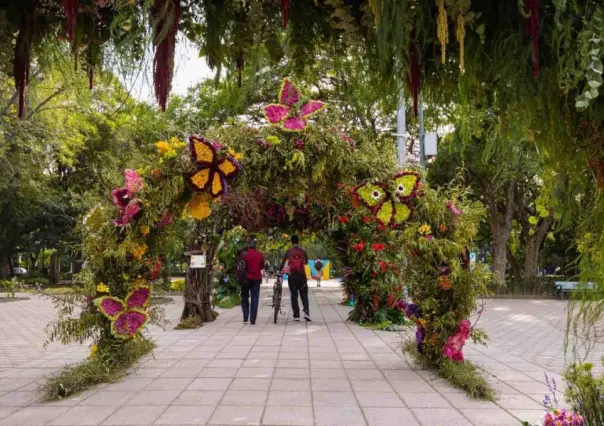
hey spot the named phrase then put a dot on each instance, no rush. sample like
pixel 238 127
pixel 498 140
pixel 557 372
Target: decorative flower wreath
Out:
pixel 213 171
pixel 390 208
pixel 127 317
pixel 291 112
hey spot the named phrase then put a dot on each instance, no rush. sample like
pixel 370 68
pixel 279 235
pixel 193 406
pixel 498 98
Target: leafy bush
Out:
pixel 43 281
pixel 177 285
pixel 8 287
pixel 228 302
pixel 107 365
pixel 586 392
pixel 462 375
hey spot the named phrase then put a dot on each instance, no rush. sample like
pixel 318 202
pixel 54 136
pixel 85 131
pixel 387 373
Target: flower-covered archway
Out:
pixel 301 171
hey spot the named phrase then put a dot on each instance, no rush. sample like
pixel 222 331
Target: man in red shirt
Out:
pixel 254 262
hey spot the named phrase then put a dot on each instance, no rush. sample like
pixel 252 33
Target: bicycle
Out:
pixel 277 294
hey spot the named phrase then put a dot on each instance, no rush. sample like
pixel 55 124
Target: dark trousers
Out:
pixel 251 287
pixel 298 284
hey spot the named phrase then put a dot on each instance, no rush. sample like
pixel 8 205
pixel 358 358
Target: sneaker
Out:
pixel 307 317
pixel 245 320
pixel 296 318
pixel 252 322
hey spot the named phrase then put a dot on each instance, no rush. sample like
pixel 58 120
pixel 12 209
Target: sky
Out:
pixel 189 70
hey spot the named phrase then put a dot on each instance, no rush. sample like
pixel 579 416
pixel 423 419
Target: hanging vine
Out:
pixel 22 59
pixel 70 8
pixel 442 30
pixel 165 16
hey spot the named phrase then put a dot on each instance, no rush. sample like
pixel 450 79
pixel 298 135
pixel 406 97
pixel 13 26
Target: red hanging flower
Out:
pixel 343 219
pixel 366 219
pixel 377 246
pixel 359 247
pixel 383 266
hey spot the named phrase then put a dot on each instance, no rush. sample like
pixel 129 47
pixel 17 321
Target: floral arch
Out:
pixel 303 171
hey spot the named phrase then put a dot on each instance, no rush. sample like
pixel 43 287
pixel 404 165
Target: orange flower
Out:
pixel 156 173
pixel 444 282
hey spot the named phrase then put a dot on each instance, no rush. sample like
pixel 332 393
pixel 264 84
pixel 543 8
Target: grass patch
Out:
pixel 385 325
pixel 107 366
pixel 189 323
pixel 228 302
pixel 462 375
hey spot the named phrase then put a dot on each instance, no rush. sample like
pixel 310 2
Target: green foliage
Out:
pixel 584 392
pixel 229 301
pixel 465 375
pixel 228 288
pixel 177 285
pixel 437 272
pixel 108 365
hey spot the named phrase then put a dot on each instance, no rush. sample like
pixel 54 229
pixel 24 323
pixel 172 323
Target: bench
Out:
pixel 566 287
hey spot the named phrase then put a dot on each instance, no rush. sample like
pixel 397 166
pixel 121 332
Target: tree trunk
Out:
pixel 501 227
pixel 6 266
pixel 198 292
pixel 533 247
pixel 500 260
pixel 55 267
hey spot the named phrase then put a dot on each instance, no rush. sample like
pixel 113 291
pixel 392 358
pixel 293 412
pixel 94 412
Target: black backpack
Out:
pixel 241 267
pixel 318 265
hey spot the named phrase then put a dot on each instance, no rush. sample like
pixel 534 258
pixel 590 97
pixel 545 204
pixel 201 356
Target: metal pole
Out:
pixel 401 129
pixel 422 135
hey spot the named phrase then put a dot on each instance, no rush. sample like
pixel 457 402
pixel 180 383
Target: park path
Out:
pixel 328 372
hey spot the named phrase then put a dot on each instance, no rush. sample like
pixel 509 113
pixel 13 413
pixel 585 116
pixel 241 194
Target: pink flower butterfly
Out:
pixel 127 317
pixel 287 114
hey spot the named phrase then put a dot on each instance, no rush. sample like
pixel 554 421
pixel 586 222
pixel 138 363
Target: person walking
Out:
pixel 319 270
pixel 296 259
pixel 254 262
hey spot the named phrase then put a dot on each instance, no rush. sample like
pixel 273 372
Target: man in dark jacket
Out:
pixel 254 262
pixel 296 259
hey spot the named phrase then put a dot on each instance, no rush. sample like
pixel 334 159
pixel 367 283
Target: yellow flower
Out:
pixel 424 229
pixel 145 230
pixel 163 147
pixel 199 207
pixel 236 155
pixel 176 143
pixel 285 236
pixel 139 282
pixel 102 288
pixel 422 322
pixel 93 350
pixel 138 250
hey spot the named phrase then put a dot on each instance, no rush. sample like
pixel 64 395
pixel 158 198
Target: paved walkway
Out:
pixel 328 372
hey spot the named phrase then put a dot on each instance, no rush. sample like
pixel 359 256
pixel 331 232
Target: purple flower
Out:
pixel 134 182
pixel 165 220
pixel 419 339
pixel 130 322
pixel 412 310
pixel 110 306
pixel 139 297
pixel 121 197
pixel 131 210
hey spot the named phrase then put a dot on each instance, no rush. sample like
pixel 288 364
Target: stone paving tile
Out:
pixel 288 415
pixel 349 416
pixel 185 415
pixel 237 415
pixel 135 416
pixel 83 416
pixel 389 417
pixel 290 366
pixel 490 417
pixel 33 416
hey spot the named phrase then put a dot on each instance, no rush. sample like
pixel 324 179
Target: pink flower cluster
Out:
pixel 563 418
pixel 454 347
pixel 123 198
pixel 453 209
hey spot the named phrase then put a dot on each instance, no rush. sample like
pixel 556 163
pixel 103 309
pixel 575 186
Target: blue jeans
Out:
pixel 251 287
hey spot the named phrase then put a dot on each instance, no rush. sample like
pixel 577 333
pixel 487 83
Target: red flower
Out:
pixel 339 185
pixel 343 219
pixel 383 266
pixel 359 247
pixel 377 246
pixel 366 219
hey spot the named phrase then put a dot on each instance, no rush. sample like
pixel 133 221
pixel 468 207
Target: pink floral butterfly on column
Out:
pixel 127 317
pixel 288 114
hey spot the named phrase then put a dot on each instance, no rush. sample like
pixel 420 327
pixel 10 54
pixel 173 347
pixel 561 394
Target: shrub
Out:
pixel 586 392
pixel 228 302
pixel 462 375
pixel 105 366
pixel 177 285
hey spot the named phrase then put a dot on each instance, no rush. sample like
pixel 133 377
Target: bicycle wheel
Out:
pixel 277 304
